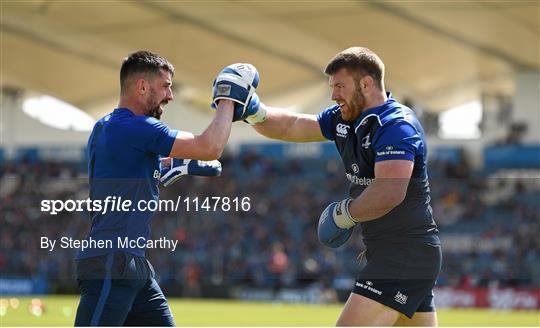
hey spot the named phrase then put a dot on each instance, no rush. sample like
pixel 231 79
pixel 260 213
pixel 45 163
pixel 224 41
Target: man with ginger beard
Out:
pixel 384 152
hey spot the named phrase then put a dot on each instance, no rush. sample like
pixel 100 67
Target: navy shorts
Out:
pixel 401 275
pixel 119 289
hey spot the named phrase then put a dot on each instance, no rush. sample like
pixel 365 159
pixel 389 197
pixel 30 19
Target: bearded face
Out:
pixel 347 94
pixel 159 95
pixel 155 105
pixel 353 107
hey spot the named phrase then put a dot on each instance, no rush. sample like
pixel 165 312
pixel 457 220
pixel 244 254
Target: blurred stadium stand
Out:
pixel 438 55
pixel 489 221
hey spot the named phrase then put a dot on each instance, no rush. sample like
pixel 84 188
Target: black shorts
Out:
pixel 119 289
pixel 401 275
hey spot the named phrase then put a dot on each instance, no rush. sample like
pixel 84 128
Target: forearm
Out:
pixel 388 190
pixel 277 122
pixel 284 125
pixel 378 199
pixel 217 133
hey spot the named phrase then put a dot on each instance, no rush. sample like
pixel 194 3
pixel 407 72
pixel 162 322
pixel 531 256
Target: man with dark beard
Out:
pixel 383 149
pixel 116 280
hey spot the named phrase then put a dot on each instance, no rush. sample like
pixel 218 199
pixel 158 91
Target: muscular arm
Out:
pixel 210 144
pixel 288 126
pixel 386 192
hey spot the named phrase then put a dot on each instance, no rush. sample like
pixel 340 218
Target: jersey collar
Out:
pixel 122 110
pixel 375 111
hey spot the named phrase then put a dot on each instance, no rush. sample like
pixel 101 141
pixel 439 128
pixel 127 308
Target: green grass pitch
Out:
pixel 60 311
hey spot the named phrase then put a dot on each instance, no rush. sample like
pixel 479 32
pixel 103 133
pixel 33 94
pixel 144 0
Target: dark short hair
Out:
pixel 143 62
pixel 358 60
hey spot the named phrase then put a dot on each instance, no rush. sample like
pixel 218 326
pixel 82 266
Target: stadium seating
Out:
pixel 498 217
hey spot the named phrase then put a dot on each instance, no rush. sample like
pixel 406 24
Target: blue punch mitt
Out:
pixel 181 167
pixel 329 233
pixel 236 82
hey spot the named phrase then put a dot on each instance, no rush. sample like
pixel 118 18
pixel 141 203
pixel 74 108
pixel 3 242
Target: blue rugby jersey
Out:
pixel 387 132
pixel 123 161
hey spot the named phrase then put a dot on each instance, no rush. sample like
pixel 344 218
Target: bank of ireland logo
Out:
pixel 342 130
pixel 355 168
pixel 368 286
pixel 366 142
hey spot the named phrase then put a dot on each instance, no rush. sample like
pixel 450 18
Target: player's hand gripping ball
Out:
pixel 237 82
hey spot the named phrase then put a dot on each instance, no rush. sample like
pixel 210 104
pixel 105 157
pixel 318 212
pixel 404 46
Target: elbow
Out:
pixel 213 151
pixel 391 191
pixel 215 154
pixel 208 149
pixel 395 199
